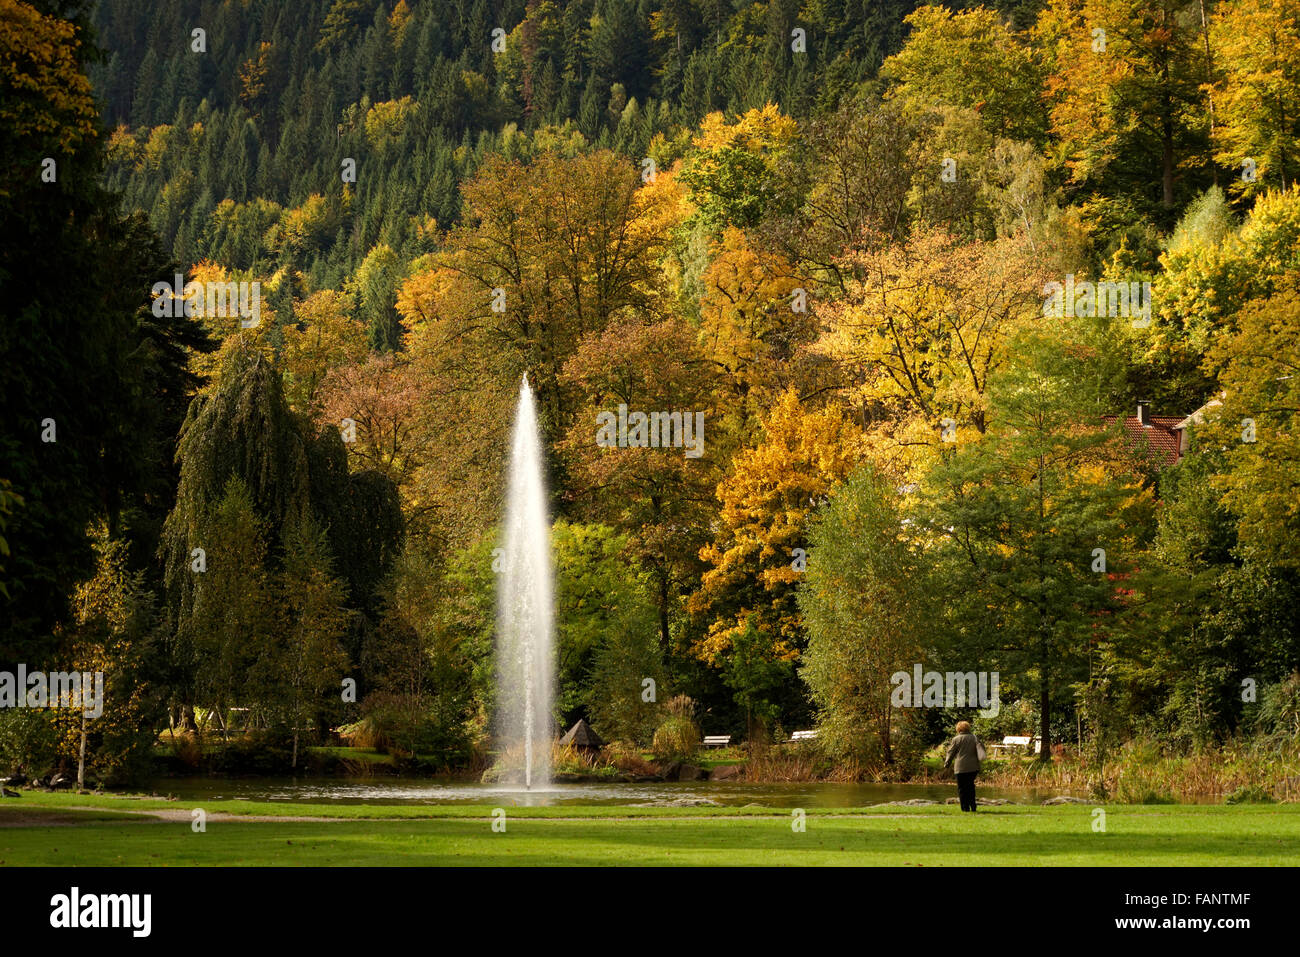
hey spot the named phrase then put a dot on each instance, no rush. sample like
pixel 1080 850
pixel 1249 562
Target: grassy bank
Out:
pixel 97 830
pixel 1140 772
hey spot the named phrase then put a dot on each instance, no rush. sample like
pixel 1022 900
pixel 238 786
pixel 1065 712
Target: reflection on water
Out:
pixel 727 794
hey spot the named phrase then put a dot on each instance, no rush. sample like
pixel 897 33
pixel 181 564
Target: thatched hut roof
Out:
pixel 581 736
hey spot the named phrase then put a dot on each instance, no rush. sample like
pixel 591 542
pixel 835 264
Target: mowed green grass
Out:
pixel 49 829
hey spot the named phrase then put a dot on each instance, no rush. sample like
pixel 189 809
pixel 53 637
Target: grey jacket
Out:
pixel 964 753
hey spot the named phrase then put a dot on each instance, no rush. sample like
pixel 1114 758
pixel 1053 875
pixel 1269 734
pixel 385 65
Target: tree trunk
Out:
pixel 885 735
pixel 1167 164
pixel 1045 709
pixel 663 610
pixel 755 731
pixel 1167 140
pixel 81 759
pixel 1044 670
pixel 1209 79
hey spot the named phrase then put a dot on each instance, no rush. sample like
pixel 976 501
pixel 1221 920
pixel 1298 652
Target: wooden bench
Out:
pixel 803 736
pixel 717 740
pixel 1016 743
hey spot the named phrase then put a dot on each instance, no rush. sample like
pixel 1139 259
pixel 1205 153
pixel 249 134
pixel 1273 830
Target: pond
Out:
pixel 654 794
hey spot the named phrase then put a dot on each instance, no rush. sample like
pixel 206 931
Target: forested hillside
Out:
pixel 989 317
pixel 417 95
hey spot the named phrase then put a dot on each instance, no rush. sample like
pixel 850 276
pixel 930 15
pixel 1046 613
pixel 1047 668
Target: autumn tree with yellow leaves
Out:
pixel 756 323
pixel 756 559
pixel 919 336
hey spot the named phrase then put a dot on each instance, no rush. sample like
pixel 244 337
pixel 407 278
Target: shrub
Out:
pixel 1279 711
pixel 252 752
pixel 365 734
pixel 676 739
pixel 566 759
pixel 681 706
pixel 627 758
pixel 411 725
pixel 186 748
pixel 805 761
pixel 1250 794
pixel 1137 793
pixel 29 741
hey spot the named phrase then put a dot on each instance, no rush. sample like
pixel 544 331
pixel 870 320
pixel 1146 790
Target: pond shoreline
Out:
pixel 1239 776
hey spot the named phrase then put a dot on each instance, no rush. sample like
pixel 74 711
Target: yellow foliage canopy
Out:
pixel 766 501
pixel 45 99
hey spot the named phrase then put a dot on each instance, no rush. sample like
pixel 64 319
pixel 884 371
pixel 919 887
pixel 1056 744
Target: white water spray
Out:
pixel 525 661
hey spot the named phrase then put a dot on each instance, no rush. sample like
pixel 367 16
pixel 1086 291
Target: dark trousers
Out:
pixel 966 789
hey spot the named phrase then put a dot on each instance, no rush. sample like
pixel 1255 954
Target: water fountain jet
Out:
pixel 525 604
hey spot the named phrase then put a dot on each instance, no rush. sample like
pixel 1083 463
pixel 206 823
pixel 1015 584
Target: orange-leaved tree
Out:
pixel 756 555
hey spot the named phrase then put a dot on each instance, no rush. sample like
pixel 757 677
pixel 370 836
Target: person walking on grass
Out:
pixel 965 754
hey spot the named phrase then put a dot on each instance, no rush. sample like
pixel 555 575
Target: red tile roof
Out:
pixel 1158 435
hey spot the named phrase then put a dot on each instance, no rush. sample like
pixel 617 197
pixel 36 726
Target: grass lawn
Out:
pixel 367 755
pixel 70 829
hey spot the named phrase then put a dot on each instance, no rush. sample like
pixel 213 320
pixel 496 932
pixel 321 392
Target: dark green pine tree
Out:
pixel 591 113
pixel 91 382
pixel 147 77
pixel 620 46
pixel 377 57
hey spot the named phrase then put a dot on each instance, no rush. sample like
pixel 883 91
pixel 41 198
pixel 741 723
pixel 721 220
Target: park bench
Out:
pixel 1016 743
pixel 717 740
pixel 803 736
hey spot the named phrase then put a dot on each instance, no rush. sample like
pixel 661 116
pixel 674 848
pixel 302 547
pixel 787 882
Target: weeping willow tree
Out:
pixel 252 476
pixel 361 514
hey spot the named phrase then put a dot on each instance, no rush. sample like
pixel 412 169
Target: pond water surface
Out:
pixel 656 794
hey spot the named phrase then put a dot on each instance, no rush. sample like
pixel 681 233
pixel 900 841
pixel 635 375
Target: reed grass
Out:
pixel 1143 772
